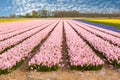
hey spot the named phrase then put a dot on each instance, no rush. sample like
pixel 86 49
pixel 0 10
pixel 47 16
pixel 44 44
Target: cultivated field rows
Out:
pixel 52 44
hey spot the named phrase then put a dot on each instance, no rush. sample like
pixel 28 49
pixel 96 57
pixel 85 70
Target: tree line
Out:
pixel 62 14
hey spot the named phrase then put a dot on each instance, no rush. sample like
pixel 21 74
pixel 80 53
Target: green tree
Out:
pixel 35 14
pixel 27 15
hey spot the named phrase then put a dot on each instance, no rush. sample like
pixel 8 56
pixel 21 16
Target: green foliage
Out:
pixel 27 15
pixel 116 64
pixel 43 68
pixel 35 14
pixel 6 71
pixel 87 67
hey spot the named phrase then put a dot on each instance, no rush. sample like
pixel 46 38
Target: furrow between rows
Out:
pixel 49 56
pixel 10 35
pixel 116 34
pixel 81 56
pixel 104 48
pixel 15 56
pixel 9 43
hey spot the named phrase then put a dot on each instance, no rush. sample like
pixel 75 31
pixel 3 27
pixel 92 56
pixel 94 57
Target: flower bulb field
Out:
pixel 60 49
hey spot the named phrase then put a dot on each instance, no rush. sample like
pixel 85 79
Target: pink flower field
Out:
pixel 53 45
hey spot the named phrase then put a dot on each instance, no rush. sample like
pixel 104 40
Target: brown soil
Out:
pixel 104 74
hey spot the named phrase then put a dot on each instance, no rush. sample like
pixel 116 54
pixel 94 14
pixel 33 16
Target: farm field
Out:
pixel 106 20
pixel 58 49
pixel 7 20
pixel 109 22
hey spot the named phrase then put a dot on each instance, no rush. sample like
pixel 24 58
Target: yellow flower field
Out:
pixel 109 22
pixel 11 20
pixel 106 20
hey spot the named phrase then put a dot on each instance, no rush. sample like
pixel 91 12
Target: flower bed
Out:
pixel 109 51
pixel 49 55
pixel 81 56
pixel 15 56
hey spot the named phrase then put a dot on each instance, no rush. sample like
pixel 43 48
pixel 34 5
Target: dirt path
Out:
pixel 104 74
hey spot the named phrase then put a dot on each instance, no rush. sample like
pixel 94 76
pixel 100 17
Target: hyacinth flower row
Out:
pixel 81 56
pixel 112 28
pixel 12 58
pixel 109 51
pixel 17 39
pixel 4 36
pixel 49 56
pixel 112 39
pixel 8 27
pixel 13 27
pixel 116 34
